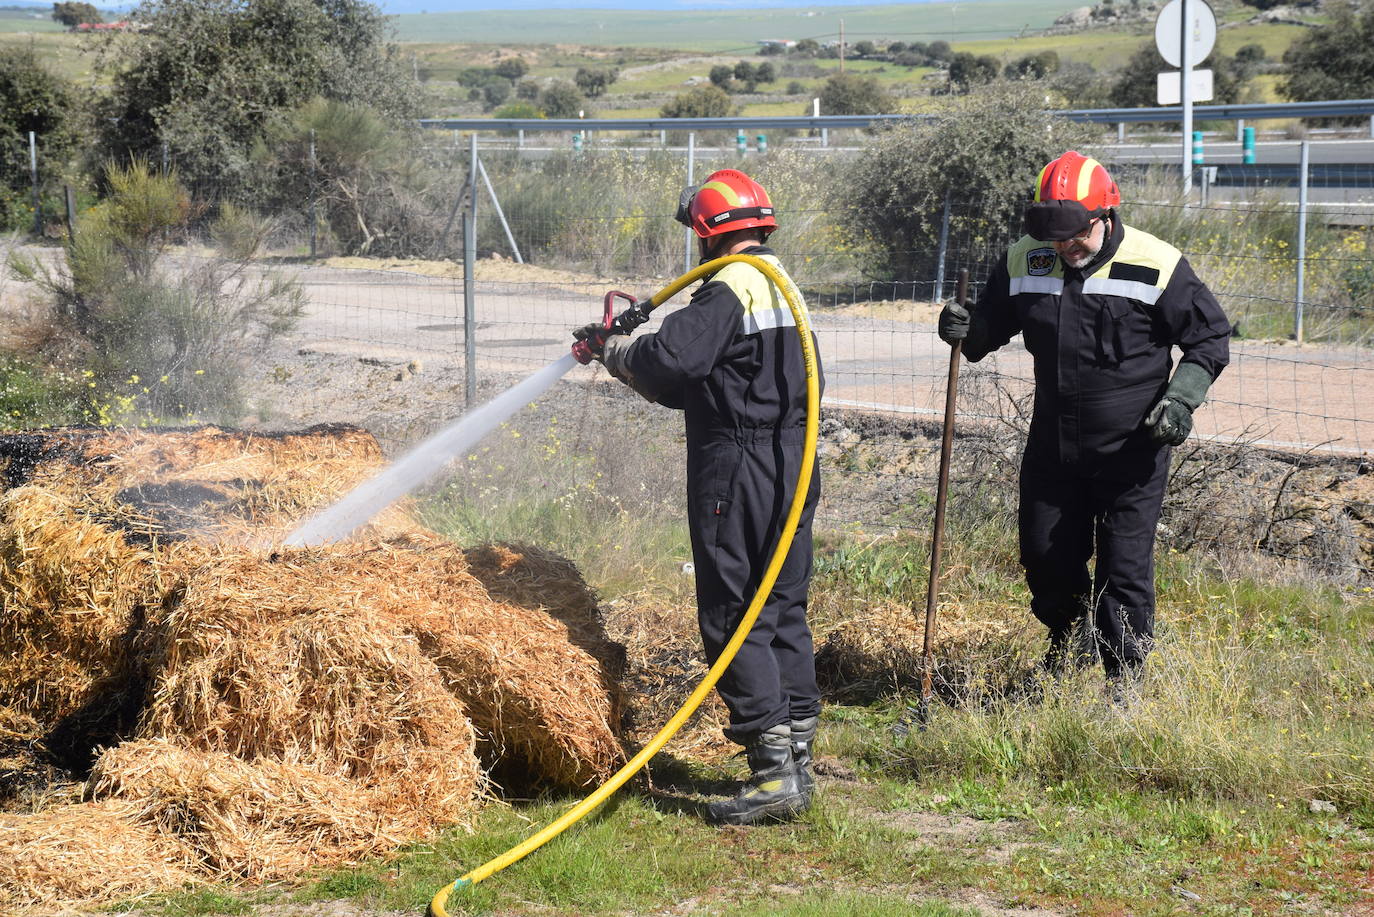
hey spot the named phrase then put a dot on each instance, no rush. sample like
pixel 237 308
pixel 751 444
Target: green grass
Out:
pixel 66 54
pixel 37 20
pixel 735 31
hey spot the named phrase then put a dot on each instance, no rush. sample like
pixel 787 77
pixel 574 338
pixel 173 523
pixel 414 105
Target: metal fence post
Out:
pixel 1302 241
pixel 470 280
pixel 938 292
pixel 314 216
pixel 71 210
pixel 691 166
pixel 500 214
pixel 33 176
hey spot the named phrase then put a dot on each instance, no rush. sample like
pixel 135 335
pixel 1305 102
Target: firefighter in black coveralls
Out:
pixel 1099 306
pixel 731 361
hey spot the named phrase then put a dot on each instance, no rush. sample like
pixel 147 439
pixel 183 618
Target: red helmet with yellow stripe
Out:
pixel 1071 191
pixel 729 200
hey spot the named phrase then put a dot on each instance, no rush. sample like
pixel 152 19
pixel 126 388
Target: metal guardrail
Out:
pixel 1342 108
pixel 1319 175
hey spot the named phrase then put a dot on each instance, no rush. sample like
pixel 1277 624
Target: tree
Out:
pixel 207 77
pixel 765 72
pixel 851 94
pixel 745 72
pixel 864 48
pixel 722 75
pixel 991 143
pixel 896 47
pixel 1136 83
pixel 1032 66
pixel 32 98
pixel 562 100
pixel 73 13
pixel 1333 61
pixel 939 51
pixel 512 68
pixel 495 93
pixel 594 82
pixel 527 90
pixel 967 71
pixel 807 47
pixel 699 102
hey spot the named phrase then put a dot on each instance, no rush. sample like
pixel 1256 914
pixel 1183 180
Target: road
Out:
pixel 880 357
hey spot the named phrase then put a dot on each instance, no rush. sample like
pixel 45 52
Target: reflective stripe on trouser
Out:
pixel 740 487
pixel 1064 516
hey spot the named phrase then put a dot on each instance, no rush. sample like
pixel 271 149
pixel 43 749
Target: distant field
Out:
pixel 37 21
pixel 737 30
pixel 63 52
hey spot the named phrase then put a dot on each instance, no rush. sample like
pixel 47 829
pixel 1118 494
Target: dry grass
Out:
pixel 284 709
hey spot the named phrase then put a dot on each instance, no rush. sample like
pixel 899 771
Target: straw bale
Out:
pixel 880 649
pixel 85 853
pixel 206 484
pixel 294 708
pixel 258 819
pixel 289 659
pixel 664 664
pixel 73 589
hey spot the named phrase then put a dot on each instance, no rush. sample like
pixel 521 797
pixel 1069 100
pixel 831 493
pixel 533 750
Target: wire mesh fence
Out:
pixel 555 230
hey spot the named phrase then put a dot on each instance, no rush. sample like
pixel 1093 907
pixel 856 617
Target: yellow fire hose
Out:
pixel 438 906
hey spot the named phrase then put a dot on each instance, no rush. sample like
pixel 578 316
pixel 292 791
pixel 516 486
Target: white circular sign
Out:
pixel 1202 32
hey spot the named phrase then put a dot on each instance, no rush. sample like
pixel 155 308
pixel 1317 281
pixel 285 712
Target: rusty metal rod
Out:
pixel 941 491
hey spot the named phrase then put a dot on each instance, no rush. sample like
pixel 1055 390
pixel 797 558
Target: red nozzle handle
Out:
pixel 582 350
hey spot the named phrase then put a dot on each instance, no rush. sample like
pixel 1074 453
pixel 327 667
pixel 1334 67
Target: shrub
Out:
pixel 158 340
pixel 363 184
pixel 208 77
pixel 699 102
pixel 851 94
pixel 32 98
pixel 562 100
pixel 992 141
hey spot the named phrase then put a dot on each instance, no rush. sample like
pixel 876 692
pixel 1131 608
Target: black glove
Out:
pixel 594 334
pixel 954 323
pixel 614 357
pixel 1171 420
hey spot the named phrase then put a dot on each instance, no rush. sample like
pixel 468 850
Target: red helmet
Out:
pixel 729 200
pixel 1075 177
pixel 1071 191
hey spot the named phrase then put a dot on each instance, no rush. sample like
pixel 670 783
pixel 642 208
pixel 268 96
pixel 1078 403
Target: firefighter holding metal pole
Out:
pixel 1100 306
pixel 732 362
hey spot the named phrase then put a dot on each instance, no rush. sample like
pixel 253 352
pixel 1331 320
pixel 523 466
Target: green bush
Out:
pixel 160 338
pixel 990 143
pixel 33 396
pixel 32 98
pixel 367 188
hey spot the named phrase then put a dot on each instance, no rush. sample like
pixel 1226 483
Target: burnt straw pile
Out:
pixel 223 707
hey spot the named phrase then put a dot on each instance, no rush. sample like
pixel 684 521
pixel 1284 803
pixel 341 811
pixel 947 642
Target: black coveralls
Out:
pixel 1100 339
pixel 732 362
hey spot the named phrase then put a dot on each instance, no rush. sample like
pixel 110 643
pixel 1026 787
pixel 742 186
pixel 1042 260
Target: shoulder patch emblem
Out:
pixel 1040 261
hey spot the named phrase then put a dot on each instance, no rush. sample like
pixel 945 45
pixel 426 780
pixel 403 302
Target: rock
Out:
pixel 1321 807
pixel 1183 893
pixel 1076 18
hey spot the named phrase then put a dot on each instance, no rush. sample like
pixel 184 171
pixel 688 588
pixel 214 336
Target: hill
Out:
pixel 735 29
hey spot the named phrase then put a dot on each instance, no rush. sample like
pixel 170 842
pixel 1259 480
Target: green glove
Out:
pixel 1171 420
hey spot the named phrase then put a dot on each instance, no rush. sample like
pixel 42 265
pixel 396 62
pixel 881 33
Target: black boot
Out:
pixel 773 791
pixel 1072 648
pixel 803 734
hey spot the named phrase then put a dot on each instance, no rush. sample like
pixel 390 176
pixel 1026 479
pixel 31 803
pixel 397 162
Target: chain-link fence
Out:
pixel 554 230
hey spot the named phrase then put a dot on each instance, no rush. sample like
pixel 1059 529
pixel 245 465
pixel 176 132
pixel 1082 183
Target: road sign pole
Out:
pixel 1185 94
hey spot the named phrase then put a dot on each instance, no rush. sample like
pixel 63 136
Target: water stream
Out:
pixel 423 461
